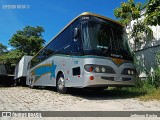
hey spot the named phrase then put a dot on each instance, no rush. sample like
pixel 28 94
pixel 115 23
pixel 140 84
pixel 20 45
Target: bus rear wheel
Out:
pixel 31 84
pixel 61 84
pixel 15 83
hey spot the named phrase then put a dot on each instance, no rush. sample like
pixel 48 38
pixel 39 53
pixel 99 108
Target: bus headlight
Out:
pixel 103 69
pixel 99 68
pixel 132 72
pixel 129 71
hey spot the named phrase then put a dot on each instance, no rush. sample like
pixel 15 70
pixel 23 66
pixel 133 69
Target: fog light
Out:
pixel 91 78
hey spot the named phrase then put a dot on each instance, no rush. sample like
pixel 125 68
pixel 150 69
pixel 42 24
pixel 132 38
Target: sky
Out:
pixel 52 15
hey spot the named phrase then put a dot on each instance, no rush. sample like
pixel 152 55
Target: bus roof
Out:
pixel 82 14
pixel 100 16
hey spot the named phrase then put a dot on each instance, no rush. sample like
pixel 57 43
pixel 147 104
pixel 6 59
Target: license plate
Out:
pixel 118 79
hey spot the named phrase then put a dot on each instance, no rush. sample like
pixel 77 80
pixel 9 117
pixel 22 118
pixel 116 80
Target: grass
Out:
pixel 140 93
pixel 153 95
pixel 144 92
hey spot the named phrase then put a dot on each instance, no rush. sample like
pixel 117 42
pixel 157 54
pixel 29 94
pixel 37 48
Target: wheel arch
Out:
pixel 58 74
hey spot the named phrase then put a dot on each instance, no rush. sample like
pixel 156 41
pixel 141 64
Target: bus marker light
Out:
pixel 79 76
pixel 91 69
pixel 91 77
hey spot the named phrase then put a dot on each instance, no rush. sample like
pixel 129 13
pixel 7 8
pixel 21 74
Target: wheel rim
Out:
pixel 30 83
pixel 61 83
pixel 15 83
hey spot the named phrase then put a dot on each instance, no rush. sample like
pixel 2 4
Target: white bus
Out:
pixel 91 51
pixel 20 72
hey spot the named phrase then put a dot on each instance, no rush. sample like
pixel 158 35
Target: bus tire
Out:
pixel 15 83
pixel 31 84
pixel 60 84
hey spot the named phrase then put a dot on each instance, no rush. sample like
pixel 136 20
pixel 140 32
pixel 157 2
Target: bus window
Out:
pixel 104 39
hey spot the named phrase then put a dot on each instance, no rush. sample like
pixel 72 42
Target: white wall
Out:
pixel 146 51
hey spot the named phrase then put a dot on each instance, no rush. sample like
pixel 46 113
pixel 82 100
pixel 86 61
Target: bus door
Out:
pixel 76 53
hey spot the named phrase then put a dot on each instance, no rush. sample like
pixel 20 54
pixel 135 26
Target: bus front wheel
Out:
pixel 61 84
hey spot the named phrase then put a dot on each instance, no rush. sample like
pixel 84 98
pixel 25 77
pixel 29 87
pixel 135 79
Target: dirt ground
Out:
pixel 47 99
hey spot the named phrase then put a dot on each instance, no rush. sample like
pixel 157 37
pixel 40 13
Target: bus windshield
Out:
pixel 105 39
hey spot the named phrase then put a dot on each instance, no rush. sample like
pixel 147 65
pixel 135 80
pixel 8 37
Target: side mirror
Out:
pixel 76 33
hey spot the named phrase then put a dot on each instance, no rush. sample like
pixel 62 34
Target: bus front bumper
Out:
pixel 93 80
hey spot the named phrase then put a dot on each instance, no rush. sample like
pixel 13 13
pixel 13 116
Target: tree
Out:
pixel 153 12
pixel 28 41
pixel 3 49
pixel 12 57
pixel 129 11
pixel 141 31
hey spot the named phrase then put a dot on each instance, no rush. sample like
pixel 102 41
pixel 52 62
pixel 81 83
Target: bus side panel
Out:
pixel 42 74
pixel 45 73
pixel 74 70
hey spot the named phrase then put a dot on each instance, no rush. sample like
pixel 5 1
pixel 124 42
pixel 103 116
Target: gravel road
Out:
pixel 26 99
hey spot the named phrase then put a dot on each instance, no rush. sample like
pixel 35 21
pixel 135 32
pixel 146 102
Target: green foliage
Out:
pixel 152 82
pixel 26 42
pixel 158 57
pixel 153 79
pixel 144 89
pixel 156 75
pixel 153 12
pixel 3 49
pixel 139 30
pixel 156 81
pixel 11 57
pixel 128 11
pixel 29 40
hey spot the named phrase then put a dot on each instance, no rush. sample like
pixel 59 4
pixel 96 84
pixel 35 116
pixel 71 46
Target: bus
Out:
pixel 92 51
